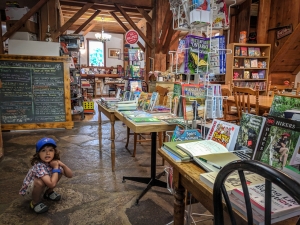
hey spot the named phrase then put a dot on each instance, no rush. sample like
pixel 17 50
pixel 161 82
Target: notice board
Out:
pixel 34 92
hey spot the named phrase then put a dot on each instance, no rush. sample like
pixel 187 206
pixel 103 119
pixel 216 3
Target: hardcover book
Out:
pixel 175 98
pixel 220 14
pixel 251 127
pixel 193 102
pixel 279 145
pixel 281 202
pixel 223 133
pixel 247 63
pixel 253 63
pixel 182 135
pixel 281 104
pixel 237 50
pixel 246 74
pixel 153 100
pixel 145 120
pixel 261 74
pixel 244 51
pixel 256 51
pixel 251 51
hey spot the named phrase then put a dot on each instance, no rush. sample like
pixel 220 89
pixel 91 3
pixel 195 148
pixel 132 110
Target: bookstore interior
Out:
pixel 207 83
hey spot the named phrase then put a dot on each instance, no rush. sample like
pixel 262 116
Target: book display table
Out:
pixel 142 128
pixel 110 114
pixel 265 102
pixel 186 175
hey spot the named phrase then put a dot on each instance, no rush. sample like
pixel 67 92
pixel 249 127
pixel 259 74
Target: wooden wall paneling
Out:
pixel 232 29
pixel 167 24
pixel 82 26
pixel 243 19
pixel 18 24
pixel 167 41
pixel 48 16
pixel 72 20
pixel 126 29
pixel 279 78
pixel 132 24
pixel 263 18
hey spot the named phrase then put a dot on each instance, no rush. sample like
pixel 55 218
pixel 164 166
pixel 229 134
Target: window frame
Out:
pixel 88 51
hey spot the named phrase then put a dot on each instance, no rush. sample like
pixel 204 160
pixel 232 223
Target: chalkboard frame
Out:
pixel 68 124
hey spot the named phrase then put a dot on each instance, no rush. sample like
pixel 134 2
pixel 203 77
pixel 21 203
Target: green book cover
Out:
pixel 145 119
pixel 171 146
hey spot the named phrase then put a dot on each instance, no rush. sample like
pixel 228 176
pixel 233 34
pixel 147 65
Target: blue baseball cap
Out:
pixel 44 141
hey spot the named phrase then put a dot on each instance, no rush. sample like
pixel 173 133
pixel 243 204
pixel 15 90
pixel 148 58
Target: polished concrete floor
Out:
pixel 95 195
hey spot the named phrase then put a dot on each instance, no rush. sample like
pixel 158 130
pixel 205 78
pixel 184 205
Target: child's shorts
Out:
pixel 28 194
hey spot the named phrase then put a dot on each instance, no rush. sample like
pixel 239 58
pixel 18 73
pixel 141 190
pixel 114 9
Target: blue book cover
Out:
pixel 201 4
pixel 182 135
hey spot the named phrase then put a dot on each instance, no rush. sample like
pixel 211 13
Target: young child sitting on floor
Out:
pixel 44 174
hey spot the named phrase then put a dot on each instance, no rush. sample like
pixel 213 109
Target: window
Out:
pixel 96 53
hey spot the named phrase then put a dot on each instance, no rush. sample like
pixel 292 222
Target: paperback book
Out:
pixel 153 100
pixel 281 104
pixel 223 133
pixel 279 145
pixel 182 135
pixel 281 202
pixel 194 101
pixel 251 127
pixel 175 98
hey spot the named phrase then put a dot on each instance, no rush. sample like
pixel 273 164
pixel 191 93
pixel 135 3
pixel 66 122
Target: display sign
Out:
pixel 131 37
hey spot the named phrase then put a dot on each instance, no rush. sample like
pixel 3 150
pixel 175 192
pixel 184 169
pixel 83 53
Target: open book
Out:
pixel 209 154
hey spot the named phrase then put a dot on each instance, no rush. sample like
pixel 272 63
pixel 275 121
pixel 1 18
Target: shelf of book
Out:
pixel 248 62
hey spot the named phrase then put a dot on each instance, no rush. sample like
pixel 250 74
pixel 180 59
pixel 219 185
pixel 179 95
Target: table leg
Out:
pixel 112 139
pixel 179 206
pixel 99 128
pixel 152 180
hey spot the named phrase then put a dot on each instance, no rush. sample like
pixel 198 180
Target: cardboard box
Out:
pixel 13 13
pixel 24 36
pixel 28 26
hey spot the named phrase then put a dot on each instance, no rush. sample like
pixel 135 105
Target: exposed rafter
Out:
pixel 86 22
pixel 89 29
pixel 145 15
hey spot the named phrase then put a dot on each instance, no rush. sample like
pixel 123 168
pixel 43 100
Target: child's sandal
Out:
pixel 39 207
pixel 53 196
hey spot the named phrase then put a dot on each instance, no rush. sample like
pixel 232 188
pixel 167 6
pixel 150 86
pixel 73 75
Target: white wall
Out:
pixel 116 41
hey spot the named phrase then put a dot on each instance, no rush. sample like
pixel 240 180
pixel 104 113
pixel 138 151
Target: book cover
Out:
pixel 251 127
pixel 201 4
pixel 237 50
pixel 196 55
pixel 279 145
pixel 261 74
pixel 236 63
pixel 172 146
pixel 253 63
pixel 175 98
pixel 145 119
pixel 281 104
pixel 254 75
pixel 143 100
pixel 251 51
pixel 174 157
pixel 233 180
pixel 258 219
pixel 281 202
pixel 194 101
pixel 153 100
pixel 220 14
pixel 246 74
pixel 218 160
pixel 223 133
pixel 247 63
pixel 257 51
pixel 244 51
pixel 182 135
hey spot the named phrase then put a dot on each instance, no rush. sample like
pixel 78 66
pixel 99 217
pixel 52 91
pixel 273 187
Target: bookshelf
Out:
pixel 248 65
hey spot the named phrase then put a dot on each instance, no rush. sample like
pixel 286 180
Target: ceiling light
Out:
pixel 103 37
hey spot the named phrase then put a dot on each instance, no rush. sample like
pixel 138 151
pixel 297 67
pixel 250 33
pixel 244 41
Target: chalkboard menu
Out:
pixel 32 92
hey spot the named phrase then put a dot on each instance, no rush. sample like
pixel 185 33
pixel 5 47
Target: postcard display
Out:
pixel 205 58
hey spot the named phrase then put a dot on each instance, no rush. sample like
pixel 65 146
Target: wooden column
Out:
pixel 49 16
pixel 232 29
pixel 263 18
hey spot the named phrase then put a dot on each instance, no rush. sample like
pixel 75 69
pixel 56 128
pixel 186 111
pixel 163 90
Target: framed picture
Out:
pixel 113 53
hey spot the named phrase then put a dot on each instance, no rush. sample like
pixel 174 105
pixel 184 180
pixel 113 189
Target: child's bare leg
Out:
pixel 38 189
pixel 49 190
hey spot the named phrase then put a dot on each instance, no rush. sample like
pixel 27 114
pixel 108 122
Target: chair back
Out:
pixel 226 92
pixel 271 175
pixel 244 97
pixel 298 89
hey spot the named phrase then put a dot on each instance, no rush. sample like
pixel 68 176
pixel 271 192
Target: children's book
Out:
pixel 153 100
pixel 237 50
pixel 261 74
pixel 175 99
pixel 244 51
pixel 194 101
pixel 201 4
pixel 223 133
pixel 279 145
pixel 251 127
pixel 254 75
pixel 233 180
pixel 251 51
pixel 220 14
pixel 256 51
pixel 236 63
pixel 253 63
pixel 281 104
pixel 247 63
pixel 145 120
pixel 246 74
pixel 135 85
pixel 182 135
pixel 143 100
pixel 281 202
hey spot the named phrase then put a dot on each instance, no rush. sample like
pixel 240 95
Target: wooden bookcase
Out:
pixel 246 68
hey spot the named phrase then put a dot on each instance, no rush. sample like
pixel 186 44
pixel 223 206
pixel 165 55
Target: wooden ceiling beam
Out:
pixel 89 29
pixel 132 3
pixel 61 18
pixel 77 31
pixel 72 20
pixel 296 71
pixel 126 29
pixel 132 24
pixel 145 15
pixel 20 22
pixel 168 20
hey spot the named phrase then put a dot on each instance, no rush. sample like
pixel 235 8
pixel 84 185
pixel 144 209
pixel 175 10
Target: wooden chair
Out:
pixel 271 175
pixel 242 97
pixel 139 138
pixel 298 89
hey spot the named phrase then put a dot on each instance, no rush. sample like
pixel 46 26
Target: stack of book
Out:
pixel 109 102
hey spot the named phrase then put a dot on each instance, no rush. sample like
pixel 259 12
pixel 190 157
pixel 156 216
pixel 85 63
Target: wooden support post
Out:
pixel 18 24
pixel 87 22
pixel 132 24
pixel 126 29
pixel 72 20
pixel 263 18
pixel 167 24
pixel 167 42
pixel 232 29
pixel 48 16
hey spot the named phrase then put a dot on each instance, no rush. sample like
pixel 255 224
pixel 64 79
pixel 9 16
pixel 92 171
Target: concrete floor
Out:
pixel 95 195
